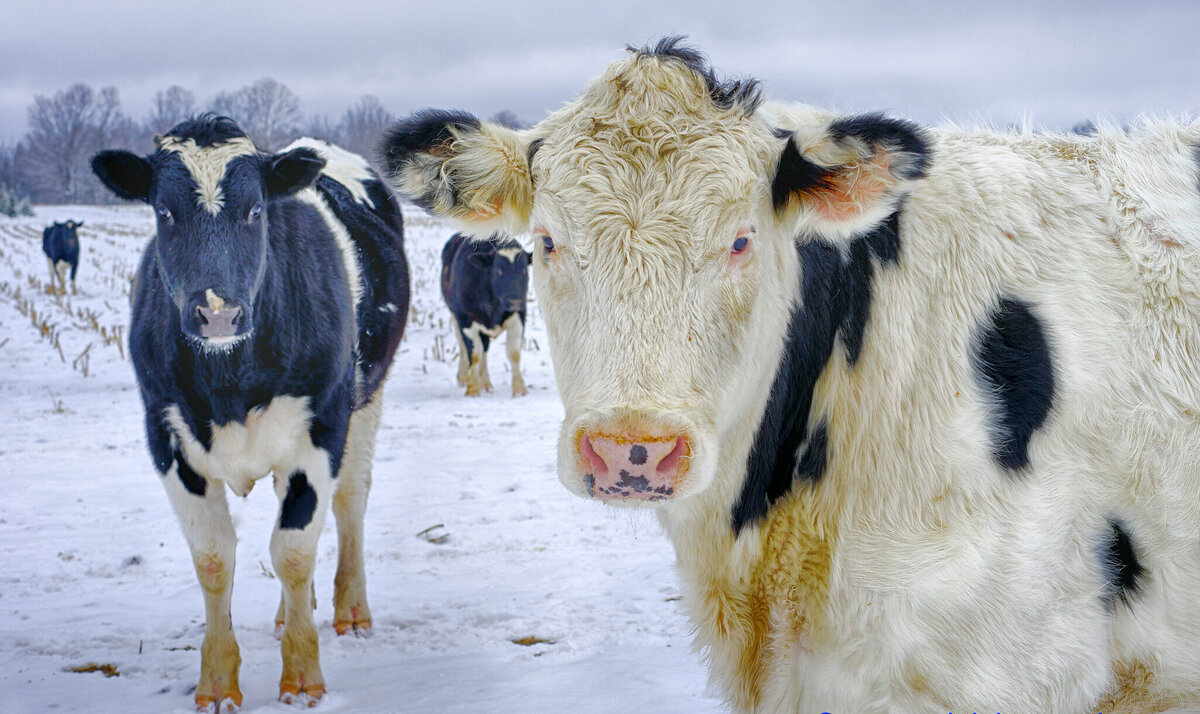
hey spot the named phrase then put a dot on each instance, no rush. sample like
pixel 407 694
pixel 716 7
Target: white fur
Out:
pixel 918 575
pixel 348 169
pixel 207 166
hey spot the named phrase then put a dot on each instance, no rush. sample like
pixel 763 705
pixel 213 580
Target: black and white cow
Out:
pixel 485 284
pixel 267 310
pixel 919 409
pixel 60 243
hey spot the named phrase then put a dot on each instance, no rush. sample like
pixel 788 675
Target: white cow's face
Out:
pixel 665 207
pixel 650 266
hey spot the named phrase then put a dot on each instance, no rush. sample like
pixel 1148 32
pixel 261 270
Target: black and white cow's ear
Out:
pixel 845 178
pixel 292 171
pixel 124 173
pixel 474 173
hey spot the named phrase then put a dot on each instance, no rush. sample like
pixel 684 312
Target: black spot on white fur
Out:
pixel 1015 368
pixel 1122 570
pixel 835 306
pixel 299 504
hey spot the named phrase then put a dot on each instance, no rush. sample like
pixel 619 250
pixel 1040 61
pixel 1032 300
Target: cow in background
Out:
pixel 266 312
pixel 60 243
pixel 485 283
pixel 919 409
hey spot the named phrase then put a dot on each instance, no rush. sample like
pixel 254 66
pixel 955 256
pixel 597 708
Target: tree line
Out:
pixel 50 163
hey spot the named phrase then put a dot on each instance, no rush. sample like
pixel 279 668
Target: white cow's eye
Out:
pixel 548 244
pixel 740 245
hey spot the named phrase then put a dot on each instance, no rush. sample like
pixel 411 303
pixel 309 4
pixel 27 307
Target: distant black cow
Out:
pixel 266 312
pixel 60 243
pixel 485 284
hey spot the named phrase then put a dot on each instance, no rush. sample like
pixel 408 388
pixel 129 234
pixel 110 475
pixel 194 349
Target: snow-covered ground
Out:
pixel 94 569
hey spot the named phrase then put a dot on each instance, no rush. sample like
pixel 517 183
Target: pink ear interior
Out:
pixel 851 190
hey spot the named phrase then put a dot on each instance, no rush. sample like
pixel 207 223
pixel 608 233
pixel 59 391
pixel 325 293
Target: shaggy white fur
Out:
pixel 917 574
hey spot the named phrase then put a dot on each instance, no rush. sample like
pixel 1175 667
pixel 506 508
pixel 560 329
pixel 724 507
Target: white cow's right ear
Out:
pixel 476 174
pixel 846 177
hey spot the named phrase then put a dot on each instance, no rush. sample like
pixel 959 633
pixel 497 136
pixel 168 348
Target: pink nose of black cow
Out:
pixel 633 467
pixel 218 323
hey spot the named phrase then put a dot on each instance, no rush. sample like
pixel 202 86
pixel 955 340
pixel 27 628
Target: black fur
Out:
pixel 207 129
pixel 1123 571
pixel 299 503
pixel 896 134
pixel 534 146
pixel 135 174
pixel 1014 364
pixel 301 327
pixel 743 92
pixel 60 242
pixel 192 481
pixel 835 307
pixel 795 174
pixel 479 286
pixel 418 133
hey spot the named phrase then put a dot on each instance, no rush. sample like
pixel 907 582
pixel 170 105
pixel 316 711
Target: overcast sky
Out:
pixel 1054 63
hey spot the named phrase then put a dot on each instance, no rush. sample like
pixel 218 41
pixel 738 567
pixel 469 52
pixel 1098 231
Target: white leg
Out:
pixel 350 610
pixel 53 274
pixel 475 343
pixel 515 335
pixel 304 488
pixel 485 380
pixel 464 364
pixel 210 536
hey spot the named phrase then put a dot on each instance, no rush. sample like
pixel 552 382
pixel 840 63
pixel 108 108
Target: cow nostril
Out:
pixel 596 462
pixel 236 317
pixel 670 462
pixel 200 314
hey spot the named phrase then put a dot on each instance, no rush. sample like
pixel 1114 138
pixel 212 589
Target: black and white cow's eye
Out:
pixel 164 214
pixel 256 212
pixel 548 244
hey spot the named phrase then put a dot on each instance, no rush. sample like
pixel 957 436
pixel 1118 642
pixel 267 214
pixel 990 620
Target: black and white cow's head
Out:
pixel 504 267
pixel 666 207
pixel 210 189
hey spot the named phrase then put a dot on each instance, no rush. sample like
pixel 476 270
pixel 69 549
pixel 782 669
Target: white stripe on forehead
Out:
pixel 207 166
pixel 510 254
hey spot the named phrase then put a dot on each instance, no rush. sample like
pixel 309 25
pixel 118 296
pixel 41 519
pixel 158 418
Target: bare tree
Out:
pixel 320 127
pixel 63 131
pixel 506 117
pixel 267 111
pixel 363 123
pixel 171 106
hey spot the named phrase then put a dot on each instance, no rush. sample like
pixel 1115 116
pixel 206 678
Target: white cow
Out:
pixel 919 410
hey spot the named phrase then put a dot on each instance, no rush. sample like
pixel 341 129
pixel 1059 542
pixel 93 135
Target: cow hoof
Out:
pixel 219 702
pixel 361 628
pixel 301 693
pixel 520 392
pixel 472 392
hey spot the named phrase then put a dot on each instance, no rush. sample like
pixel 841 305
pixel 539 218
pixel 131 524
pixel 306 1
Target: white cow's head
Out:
pixel 665 207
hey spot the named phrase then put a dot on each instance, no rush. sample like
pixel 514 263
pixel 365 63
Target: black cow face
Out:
pixel 211 201
pixel 507 268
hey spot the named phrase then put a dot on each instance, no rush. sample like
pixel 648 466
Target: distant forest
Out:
pixel 49 165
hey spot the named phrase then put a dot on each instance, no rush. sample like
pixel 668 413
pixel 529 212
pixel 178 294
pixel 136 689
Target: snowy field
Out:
pixel 94 569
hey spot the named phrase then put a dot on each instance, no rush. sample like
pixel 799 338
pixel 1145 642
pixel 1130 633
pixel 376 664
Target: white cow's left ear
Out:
pixel 845 179
pixel 474 173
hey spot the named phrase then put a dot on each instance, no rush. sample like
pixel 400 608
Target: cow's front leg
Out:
pixel 350 611
pixel 53 275
pixel 203 514
pixel 515 328
pixel 473 339
pixel 305 489
pixel 485 380
pixel 464 359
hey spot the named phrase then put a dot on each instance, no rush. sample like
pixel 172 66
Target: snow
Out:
pixel 95 569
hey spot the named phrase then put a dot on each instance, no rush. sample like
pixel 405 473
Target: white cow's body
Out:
pixel 1003 513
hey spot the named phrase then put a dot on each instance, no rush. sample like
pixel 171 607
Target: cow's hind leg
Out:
pixel 464 359
pixel 350 611
pixel 485 380
pixel 53 274
pixel 200 506
pixel 305 487
pixel 515 328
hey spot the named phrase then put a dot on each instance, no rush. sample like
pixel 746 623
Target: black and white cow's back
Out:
pixel 266 313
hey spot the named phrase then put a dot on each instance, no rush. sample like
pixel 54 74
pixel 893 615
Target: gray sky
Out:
pixel 1055 63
